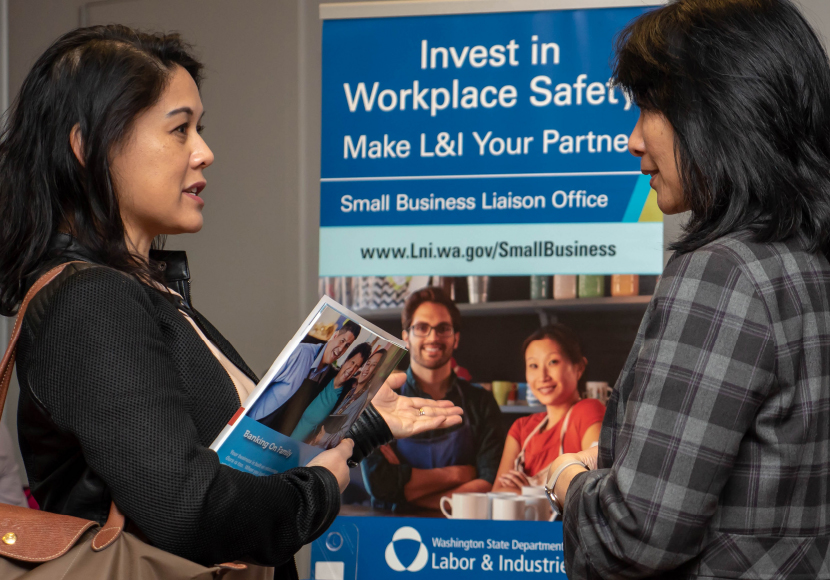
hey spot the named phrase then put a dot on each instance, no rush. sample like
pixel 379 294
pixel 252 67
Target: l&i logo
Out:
pixel 407 533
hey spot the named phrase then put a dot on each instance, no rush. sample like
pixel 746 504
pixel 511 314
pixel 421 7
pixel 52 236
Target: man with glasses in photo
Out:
pixel 418 471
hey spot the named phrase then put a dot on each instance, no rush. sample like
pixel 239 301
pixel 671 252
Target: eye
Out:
pixel 181 129
pixel 200 128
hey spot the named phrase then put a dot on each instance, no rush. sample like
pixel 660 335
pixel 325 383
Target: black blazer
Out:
pixel 120 399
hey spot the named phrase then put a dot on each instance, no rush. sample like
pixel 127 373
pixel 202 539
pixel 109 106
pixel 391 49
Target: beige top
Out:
pixel 244 385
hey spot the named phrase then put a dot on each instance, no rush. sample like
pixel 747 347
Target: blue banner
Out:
pixel 433 201
pixel 392 547
pixel 479 119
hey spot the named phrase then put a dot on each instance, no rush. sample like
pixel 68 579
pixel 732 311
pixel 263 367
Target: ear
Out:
pixel 455 341
pixel 581 368
pixel 405 336
pixel 76 141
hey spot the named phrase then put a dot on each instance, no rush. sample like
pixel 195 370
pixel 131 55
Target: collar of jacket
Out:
pixel 173 264
pixel 412 384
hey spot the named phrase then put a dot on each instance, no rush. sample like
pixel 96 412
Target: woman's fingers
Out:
pixel 589 457
pixel 408 416
pixel 431 407
pixel 507 479
pixel 510 479
pixel 434 403
pixel 395 381
pixel 345 449
pixel 507 482
pixel 335 461
pixel 426 423
pixel 519 476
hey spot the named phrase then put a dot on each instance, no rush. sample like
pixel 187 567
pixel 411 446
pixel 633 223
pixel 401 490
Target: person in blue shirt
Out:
pixel 415 473
pixel 308 361
pixel 324 404
pixel 350 404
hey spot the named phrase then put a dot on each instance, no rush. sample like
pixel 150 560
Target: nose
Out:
pixel 202 156
pixel 636 143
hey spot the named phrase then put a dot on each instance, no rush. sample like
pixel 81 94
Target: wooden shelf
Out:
pixel 545 309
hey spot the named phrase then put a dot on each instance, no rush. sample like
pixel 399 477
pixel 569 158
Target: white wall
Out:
pixel 8 418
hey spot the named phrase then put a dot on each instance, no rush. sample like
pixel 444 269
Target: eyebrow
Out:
pixel 186 110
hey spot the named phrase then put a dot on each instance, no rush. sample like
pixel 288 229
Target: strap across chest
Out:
pixel 519 464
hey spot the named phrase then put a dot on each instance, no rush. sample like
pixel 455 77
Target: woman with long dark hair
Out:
pixel 123 384
pixel 713 456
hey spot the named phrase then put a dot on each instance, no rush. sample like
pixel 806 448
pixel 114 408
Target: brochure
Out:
pixel 312 394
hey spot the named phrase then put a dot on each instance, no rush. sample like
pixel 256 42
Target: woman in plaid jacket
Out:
pixel 714 456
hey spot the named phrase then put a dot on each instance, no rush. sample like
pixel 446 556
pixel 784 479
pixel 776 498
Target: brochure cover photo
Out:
pixel 312 394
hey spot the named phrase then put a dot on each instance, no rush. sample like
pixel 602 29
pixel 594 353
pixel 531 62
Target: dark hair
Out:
pixel 363 349
pixel 566 338
pixel 745 84
pixel 429 294
pixel 350 326
pixel 380 351
pixel 100 78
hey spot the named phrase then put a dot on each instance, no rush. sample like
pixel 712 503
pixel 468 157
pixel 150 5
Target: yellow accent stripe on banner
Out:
pixel 651 213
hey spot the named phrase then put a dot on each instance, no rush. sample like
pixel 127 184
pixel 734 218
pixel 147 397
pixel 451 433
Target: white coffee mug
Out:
pixel 493 495
pixel 466 506
pixel 534 490
pixel 513 508
pixel 540 505
pixel 599 390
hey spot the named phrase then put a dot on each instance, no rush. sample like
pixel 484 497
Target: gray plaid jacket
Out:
pixel 714 458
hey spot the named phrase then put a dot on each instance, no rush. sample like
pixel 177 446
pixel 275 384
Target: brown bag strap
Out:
pixel 115 521
pixel 111 530
pixel 61 524
pixel 7 364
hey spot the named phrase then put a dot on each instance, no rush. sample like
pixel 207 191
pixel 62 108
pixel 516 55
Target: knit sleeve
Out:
pixel 101 368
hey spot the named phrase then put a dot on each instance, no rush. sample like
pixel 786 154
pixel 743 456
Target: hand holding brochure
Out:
pixel 312 394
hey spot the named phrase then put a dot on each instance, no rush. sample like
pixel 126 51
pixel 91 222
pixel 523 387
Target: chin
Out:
pixel 195 225
pixel 669 205
pixel 547 401
pixel 433 364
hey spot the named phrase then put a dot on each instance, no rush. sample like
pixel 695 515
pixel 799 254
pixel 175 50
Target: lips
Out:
pixel 653 173
pixel 546 390
pixel 193 192
pixel 195 188
pixel 433 349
